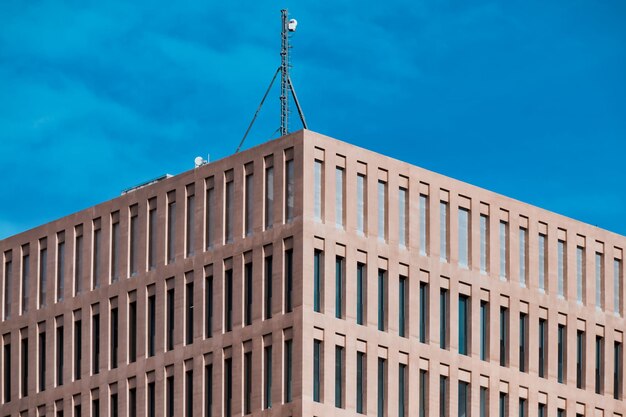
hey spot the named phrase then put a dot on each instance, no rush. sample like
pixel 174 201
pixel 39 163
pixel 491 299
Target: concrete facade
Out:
pixel 139 268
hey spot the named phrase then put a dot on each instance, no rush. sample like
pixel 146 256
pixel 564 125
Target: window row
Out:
pixel 487 324
pixel 606 284
pixel 126 244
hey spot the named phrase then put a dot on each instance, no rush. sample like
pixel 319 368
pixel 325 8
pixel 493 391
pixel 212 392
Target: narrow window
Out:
pixel 209 221
pixel 423 393
pixel 464 237
pixel 171 227
pixel 443 318
pixel 382 299
pixel 523 342
pixel 248 201
pixel 543 261
pixel 228 387
pixel 78 261
pixel 95 408
pixel 208 390
pixel 543 354
pixel 560 412
pixel 504 336
pixel 402 390
pixel 268 287
pixel 423 224
pixel 78 349
pixel 561 268
pixel 43 275
pixel 484 402
pixel 402 305
pixel 361 293
pixel 443 231
pixel 599 280
pixel 339 377
pixel 503 405
pixel 96 254
pixel 339 287
pixel 267 393
pixel 42 362
pixel 24 368
pixel 360 204
pixel 248 293
pixel 382 210
pixel 269 197
pixel 484 243
pixel 169 402
pixel 443 396
pixel 60 266
pixel 169 319
pixel 151 325
pixel 617 370
pixel 151 400
pixel 190 221
pixel 288 280
pixel 134 236
pixel 523 256
pixel 339 200
pixel 382 383
pixel 464 315
pixel 113 405
pixel 228 298
pixel 464 399
pixel 580 274
pixel 95 344
pixel 114 337
pixel 599 365
pixel 115 247
pixel 541 410
pixel 290 191
pixel 360 382
pixel 132 331
pixel 580 359
pixel 288 389
pixel 7 372
pixel 617 286
pixel 152 230
pixel 504 249
pixel 561 340
pixel 229 198
pixel 189 393
pixel 317 370
pixel 189 313
pixel 522 407
pixel 317 189
pixel 317 281
pixel 403 215
pixel 484 330
pixel 8 279
pixel 247 396
pixel 208 303
pixel 423 312
pixel 25 278
pixel 132 402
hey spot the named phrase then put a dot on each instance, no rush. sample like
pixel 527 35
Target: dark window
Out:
pixel 78 411
pixel 95 343
pixel 317 281
pixel 151 324
pixel 599 365
pixel 443 318
pixel 288 281
pixel 484 330
pixel 228 387
pixel 7 371
pixel 25 280
pixel 114 337
pixel 402 305
pixel 113 405
pixel 543 335
pixel 317 370
pixel 561 340
pixel 171 231
pixel 189 393
pixel 228 296
pixel 115 251
pixel 170 322
pixel 361 294
pixel 42 361
pixel 503 405
pixel 134 235
pixel 268 287
pixel 248 201
pixel 464 314
pixel 522 407
pixel 288 370
pixel 60 347
pixel 78 264
pixel 267 393
pixel 132 331
pixel 423 312
pixel 24 364
pixel 169 402
pixel 132 402
pixel 208 231
pixel 97 244
pixel 339 377
pixel 190 223
pixel 617 370
pixel 443 396
pixel 43 276
pixel 423 394
pixel 152 224
pixel 382 297
pixel 541 410
pixel 339 286
pixel 248 293
pixel 402 388
pixel 484 402
pixel 95 408
pixel 360 382
pixel 151 400
pixel 382 383
pixel 189 313
pixel 228 211
pixel 523 342
pixel 78 349
pixel 208 301
pixel 464 399
pixel 504 336
pixel 247 399
pixel 580 358
pixel 208 390
pixel 60 270
pixel 8 274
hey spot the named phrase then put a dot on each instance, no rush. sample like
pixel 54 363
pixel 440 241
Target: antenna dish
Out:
pixel 199 161
pixel 292 25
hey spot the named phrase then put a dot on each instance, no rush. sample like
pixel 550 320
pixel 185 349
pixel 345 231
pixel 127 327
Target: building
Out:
pixel 310 277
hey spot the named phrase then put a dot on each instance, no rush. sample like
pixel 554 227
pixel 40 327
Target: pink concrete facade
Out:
pixel 190 240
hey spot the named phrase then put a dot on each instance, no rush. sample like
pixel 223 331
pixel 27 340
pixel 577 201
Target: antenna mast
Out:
pixel 286 85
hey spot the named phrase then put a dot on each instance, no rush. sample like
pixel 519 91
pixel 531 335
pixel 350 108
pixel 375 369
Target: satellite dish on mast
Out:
pixel 292 25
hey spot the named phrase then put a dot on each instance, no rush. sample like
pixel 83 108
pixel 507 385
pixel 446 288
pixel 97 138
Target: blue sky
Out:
pixel 525 98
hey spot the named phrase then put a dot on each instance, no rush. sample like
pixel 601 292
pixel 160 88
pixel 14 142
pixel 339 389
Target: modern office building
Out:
pixel 310 277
